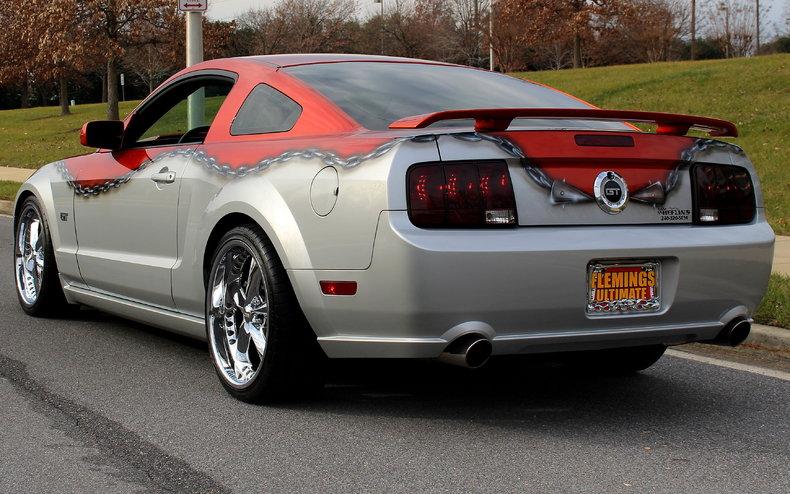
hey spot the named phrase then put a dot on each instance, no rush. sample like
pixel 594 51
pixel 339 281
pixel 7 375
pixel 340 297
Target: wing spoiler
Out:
pixel 499 119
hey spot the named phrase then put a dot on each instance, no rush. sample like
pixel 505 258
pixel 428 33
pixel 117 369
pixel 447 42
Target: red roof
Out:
pixel 288 60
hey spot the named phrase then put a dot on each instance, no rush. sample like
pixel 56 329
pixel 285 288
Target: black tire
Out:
pixel 49 300
pixel 624 360
pixel 292 365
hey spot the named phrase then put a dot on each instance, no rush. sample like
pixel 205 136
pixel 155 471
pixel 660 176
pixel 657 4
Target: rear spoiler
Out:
pixel 499 119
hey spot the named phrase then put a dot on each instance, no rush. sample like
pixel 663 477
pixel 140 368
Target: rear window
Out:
pixel 375 94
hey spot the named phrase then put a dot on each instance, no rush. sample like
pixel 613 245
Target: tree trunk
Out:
pixel 26 92
pixel 577 51
pixel 104 87
pixel 112 90
pixel 63 96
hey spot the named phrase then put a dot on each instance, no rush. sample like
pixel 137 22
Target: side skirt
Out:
pixel 169 320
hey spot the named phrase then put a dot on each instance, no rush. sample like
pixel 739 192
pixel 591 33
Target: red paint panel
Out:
pixel 651 159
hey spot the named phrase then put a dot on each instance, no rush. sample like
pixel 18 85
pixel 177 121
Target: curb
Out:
pixel 769 337
pixel 7 207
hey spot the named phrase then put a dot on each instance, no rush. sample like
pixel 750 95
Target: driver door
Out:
pixel 127 231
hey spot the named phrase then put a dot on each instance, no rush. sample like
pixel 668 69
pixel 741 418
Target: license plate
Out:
pixel 623 287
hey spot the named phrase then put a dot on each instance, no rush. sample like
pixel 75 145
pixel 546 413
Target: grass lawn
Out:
pixel 37 136
pixel 8 190
pixel 775 308
pixel 752 92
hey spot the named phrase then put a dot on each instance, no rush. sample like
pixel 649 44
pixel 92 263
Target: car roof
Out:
pixel 290 60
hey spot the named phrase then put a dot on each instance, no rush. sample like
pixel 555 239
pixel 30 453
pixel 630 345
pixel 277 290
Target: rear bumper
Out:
pixel 525 289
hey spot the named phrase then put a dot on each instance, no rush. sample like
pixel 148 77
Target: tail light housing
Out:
pixel 723 195
pixel 461 194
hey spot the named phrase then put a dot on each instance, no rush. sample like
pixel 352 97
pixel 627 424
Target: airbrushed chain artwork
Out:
pixel 559 191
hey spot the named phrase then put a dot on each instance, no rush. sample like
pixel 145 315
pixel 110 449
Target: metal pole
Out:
pixel 491 35
pixel 382 26
pixel 195 105
pixel 693 29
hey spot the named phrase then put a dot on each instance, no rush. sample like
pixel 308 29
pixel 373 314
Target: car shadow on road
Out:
pixel 509 392
pixel 520 392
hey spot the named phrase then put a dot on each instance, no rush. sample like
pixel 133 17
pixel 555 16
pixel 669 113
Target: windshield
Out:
pixel 375 94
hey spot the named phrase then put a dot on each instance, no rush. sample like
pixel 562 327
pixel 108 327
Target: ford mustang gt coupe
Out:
pixel 293 208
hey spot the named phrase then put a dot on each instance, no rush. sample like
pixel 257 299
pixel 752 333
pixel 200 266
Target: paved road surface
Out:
pixel 97 404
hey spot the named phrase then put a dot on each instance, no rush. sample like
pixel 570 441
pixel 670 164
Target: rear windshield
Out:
pixel 375 94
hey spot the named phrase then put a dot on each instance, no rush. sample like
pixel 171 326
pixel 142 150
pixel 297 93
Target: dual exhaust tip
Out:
pixel 470 351
pixel 734 333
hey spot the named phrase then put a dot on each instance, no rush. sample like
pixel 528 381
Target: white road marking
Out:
pixel 784 376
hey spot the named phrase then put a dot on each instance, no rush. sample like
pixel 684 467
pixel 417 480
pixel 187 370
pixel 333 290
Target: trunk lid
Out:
pixel 578 177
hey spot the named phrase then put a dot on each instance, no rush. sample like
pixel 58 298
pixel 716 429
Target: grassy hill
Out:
pixel 752 92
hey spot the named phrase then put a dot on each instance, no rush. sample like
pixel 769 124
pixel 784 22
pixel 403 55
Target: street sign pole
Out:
pixel 194 11
pixel 123 88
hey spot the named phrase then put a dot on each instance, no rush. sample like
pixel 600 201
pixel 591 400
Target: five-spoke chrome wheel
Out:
pixel 238 314
pixel 29 254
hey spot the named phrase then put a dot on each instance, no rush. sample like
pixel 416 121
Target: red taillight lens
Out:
pixel 461 195
pixel 723 195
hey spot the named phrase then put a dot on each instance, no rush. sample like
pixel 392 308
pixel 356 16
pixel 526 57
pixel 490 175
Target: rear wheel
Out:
pixel 260 343
pixel 37 284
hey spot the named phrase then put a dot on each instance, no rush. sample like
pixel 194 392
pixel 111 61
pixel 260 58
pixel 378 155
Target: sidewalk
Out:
pixel 15 174
pixel 781 249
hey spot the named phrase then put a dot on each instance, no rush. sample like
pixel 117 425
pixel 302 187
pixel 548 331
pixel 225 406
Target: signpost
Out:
pixel 194 10
pixel 123 88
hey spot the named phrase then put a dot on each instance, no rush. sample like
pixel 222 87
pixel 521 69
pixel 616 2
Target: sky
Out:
pixel 230 9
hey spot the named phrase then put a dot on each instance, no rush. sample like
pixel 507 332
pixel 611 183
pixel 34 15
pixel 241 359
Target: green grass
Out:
pixel 752 92
pixel 8 190
pixel 775 308
pixel 37 136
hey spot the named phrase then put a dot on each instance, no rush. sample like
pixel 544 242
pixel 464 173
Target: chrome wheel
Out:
pixel 238 314
pixel 29 255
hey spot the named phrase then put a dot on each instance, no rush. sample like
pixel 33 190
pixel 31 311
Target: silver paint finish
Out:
pixel 523 288
pixel 127 235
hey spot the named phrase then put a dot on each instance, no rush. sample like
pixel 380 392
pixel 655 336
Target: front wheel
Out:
pixel 36 274
pixel 260 343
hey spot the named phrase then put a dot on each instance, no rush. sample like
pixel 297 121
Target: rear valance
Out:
pixel 499 119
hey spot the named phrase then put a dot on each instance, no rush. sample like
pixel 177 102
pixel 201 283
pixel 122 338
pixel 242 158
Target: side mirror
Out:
pixel 103 134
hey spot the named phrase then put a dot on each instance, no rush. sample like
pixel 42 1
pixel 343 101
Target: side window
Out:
pixel 265 110
pixel 167 120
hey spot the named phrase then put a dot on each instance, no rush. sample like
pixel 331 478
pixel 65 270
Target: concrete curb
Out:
pixel 769 337
pixel 7 207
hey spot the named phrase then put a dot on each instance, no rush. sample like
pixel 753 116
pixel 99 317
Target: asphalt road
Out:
pixel 97 404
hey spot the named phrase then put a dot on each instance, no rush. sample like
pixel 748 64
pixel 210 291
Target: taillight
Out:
pixel 461 195
pixel 723 195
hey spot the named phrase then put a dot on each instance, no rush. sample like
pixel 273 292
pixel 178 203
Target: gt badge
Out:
pixel 611 192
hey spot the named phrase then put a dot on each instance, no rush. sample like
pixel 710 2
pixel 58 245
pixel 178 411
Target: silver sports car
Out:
pixel 291 208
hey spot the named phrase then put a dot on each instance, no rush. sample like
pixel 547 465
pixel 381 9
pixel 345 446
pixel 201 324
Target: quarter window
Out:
pixel 264 111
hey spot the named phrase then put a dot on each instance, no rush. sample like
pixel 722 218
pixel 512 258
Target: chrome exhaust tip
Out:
pixel 734 333
pixel 471 352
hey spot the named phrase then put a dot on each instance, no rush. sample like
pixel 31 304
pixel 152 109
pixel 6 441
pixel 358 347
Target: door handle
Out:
pixel 164 177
